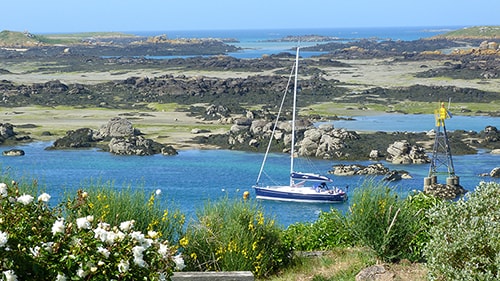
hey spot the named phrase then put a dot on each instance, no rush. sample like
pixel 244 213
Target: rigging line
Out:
pixel 276 123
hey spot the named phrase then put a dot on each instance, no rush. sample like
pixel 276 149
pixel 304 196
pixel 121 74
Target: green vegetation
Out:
pixel 465 242
pixel 15 38
pixel 232 235
pixel 105 233
pixel 112 205
pixel 475 32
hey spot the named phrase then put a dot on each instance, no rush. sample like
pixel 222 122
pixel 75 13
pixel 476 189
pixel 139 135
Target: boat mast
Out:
pixel 275 125
pixel 293 114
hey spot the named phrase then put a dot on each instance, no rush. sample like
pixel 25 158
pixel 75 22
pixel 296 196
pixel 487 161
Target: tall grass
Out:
pixel 233 234
pixel 378 219
pixel 113 205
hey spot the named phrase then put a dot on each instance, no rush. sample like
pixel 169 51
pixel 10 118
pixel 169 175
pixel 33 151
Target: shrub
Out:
pixel 465 242
pixel 327 232
pixel 234 235
pixel 38 243
pixel 419 204
pixel 381 221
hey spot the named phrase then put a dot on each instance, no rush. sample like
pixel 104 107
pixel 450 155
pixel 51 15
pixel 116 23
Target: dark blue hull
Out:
pixel 280 195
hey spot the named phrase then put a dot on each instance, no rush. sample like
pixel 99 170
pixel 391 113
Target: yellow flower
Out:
pixel 184 241
pixel 254 246
pixel 260 218
pixel 194 256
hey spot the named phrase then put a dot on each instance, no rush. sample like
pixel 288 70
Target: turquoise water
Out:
pixel 415 123
pixel 191 178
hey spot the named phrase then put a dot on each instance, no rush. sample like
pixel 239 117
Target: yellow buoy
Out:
pixel 246 194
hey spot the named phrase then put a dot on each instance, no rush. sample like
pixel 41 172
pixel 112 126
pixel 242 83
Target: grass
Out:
pixel 338 264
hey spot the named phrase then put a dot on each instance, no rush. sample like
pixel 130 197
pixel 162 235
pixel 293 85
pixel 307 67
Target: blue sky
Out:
pixel 157 15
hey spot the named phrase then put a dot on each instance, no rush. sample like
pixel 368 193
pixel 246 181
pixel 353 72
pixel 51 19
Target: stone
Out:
pixel 374 273
pixel 13 152
pixel 116 127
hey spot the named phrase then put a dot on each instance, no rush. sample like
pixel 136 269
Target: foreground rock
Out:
pixel 121 136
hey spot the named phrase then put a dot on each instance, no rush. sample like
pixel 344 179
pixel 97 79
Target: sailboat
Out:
pixel 303 187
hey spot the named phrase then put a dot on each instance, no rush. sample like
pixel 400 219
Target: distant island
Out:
pixel 304 38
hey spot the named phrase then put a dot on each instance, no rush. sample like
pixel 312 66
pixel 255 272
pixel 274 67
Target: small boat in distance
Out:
pixel 303 187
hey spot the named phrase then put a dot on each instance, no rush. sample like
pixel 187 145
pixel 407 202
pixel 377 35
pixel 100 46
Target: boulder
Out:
pixel 116 127
pixel 402 152
pixel 495 173
pixel 13 152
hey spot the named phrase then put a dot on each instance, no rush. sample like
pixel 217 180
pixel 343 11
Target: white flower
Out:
pixel 84 223
pixel 58 226
pixel 80 272
pixel 158 192
pixel 44 197
pixel 103 251
pixel 127 225
pixel 138 256
pixel 152 234
pixel 3 190
pixel 179 262
pixel 163 250
pixel 123 266
pixel 4 237
pixel 35 252
pixel 25 199
pixel 138 236
pixel 61 277
pixel 10 275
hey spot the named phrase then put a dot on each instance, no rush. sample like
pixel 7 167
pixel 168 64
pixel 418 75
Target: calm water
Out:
pixel 256 43
pixel 195 176
pixel 415 123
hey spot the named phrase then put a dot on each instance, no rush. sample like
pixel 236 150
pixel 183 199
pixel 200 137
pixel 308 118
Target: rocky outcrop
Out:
pixel 357 169
pixel 123 139
pixel 13 152
pixel 319 142
pixel 138 145
pixel 372 169
pixel 402 152
pixel 79 138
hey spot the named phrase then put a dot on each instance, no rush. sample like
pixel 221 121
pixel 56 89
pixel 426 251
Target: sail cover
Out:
pixel 309 177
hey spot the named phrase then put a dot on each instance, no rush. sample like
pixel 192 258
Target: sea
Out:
pixel 194 177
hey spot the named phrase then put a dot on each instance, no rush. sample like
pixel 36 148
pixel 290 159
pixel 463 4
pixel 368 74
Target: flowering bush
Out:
pixel 233 236
pixel 38 243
